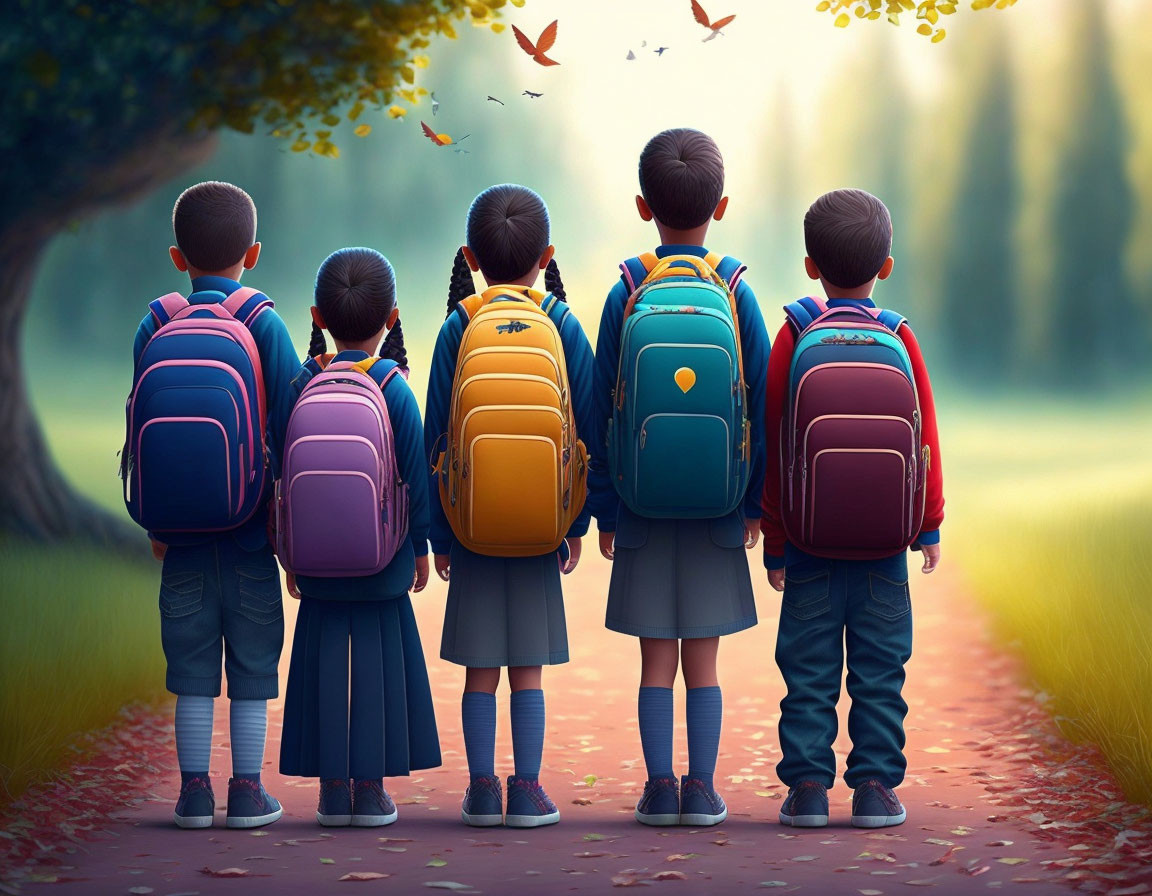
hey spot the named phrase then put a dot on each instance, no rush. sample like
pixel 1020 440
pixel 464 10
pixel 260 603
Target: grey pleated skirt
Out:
pixel 680 578
pixel 504 611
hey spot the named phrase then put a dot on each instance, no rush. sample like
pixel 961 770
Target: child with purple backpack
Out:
pixel 352 527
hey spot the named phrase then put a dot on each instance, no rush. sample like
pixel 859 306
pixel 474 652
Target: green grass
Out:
pixel 1049 514
pixel 80 639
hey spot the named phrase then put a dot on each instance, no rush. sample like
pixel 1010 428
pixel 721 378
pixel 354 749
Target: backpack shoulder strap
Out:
pixel 556 309
pixel 634 270
pixel 803 312
pixel 165 308
pixel 466 308
pixel 890 319
pixel 382 370
pixel 246 304
pixel 729 268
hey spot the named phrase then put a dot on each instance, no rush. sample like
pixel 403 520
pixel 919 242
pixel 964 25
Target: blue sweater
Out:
pixel 404 415
pixel 602 497
pixel 578 361
pixel 280 363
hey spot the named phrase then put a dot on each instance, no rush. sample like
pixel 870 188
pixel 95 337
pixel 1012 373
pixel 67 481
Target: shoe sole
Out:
pixel 804 821
pixel 531 821
pixel 658 821
pixel 192 822
pixel 878 821
pixel 253 821
pixel 334 821
pixel 482 821
pixel 374 821
pixel 700 820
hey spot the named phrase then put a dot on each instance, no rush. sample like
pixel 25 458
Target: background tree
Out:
pixel 103 100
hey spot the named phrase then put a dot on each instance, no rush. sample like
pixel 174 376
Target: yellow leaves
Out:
pixel 301 145
pixel 331 120
pixel 928 12
pixel 363 130
pixel 355 111
pixel 326 148
pixel 497 27
pixel 397 111
pixel 420 61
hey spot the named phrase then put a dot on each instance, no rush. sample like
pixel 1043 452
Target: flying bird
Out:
pixel 660 51
pixel 435 103
pixel 441 139
pixel 630 56
pixel 493 99
pixel 529 93
pixel 543 43
pixel 702 18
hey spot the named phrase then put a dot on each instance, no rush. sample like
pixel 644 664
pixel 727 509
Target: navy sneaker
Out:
pixel 528 804
pixel 876 806
pixel 372 807
pixel 249 804
pixel 660 804
pixel 196 804
pixel 806 806
pixel 483 802
pixel 700 804
pixel 335 809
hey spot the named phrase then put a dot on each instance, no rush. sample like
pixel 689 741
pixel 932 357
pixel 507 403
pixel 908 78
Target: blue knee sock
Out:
pixel 478 712
pixel 705 712
pixel 248 720
pixel 654 710
pixel 527 710
pixel 194 736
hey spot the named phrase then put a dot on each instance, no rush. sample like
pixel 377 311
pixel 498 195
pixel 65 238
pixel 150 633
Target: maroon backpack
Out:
pixel 852 462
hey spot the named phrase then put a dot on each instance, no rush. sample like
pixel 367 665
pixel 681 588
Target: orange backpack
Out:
pixel 513 476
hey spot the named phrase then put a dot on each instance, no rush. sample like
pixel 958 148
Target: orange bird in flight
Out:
pixel 702 18
pixel 543 43
pixel 440 139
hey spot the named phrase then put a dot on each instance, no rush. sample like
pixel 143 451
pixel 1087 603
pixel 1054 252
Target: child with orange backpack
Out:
pixel 509 394
pixel 851 426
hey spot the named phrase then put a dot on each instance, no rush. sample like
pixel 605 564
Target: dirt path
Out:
pixel 996 800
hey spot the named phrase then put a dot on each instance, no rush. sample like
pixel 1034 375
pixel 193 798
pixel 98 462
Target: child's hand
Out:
pixel 159 549
pixel 421 577
pixel 573 555
pixel 608 545
pixel 931 557
pixel 751 533
pixel 443 565
pixel 290 584
pixel 776 579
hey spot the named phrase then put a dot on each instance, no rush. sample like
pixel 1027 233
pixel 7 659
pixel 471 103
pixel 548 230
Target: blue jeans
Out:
pixel 830 605
pixel 217 598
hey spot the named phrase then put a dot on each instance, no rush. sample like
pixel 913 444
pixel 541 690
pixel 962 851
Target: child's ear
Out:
pixel 811 269
pixel 393 317
pixel 721 207
pixel 178 259
pixel 251 257
pixel 547 257
pixel 886 269
pixel 318 319
pixel 645 211
pixel 470 257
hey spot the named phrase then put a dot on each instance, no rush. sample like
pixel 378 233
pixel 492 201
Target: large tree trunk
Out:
pixel 36 500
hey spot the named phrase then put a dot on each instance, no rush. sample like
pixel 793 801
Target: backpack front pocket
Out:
pixel 856 499
pixel 343 541
pixel 187 483
pixel 683 465
pixel 512 485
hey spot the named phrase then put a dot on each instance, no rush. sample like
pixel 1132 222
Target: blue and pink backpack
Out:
pixel 852 458
pixel 194 459
pixel 341 506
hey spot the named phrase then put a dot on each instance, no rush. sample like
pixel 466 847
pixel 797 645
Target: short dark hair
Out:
pixel 682 177
pixel 355 293
pixel 848 234
pixel 508 230
pixel 214 224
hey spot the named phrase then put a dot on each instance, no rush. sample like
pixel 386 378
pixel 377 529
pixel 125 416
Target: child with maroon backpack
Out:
pixel 851 425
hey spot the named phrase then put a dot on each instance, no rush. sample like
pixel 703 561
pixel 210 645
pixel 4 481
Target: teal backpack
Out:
pixel 678 440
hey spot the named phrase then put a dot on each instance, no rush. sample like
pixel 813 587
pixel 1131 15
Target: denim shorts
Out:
pixel 218 600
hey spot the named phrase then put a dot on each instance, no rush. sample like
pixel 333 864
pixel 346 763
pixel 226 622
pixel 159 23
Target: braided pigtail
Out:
pixel 552 281
pixel 393 345
pixel 461 285
pixel 318 345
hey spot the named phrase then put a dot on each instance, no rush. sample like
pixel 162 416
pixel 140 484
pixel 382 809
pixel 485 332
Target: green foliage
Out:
pixel 80 639
pixel 927 12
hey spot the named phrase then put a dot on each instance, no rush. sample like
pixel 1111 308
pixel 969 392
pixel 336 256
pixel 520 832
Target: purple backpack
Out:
pixel 852 457
pixel 341 507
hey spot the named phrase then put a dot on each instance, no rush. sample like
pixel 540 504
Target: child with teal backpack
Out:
pixel 352 529
pixel 677 469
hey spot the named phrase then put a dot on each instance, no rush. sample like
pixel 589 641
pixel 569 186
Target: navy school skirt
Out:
pixel 358 703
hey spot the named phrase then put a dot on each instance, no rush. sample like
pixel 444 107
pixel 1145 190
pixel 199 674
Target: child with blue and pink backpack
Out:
pixel 352 526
